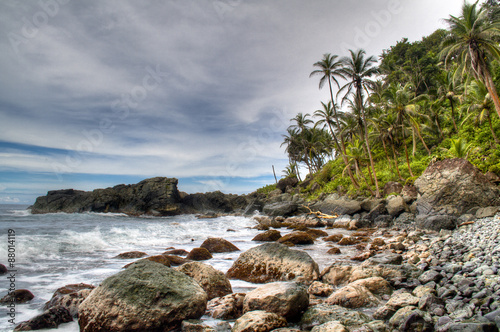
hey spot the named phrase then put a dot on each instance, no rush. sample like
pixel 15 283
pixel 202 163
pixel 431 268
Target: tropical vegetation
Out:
pixel 387 120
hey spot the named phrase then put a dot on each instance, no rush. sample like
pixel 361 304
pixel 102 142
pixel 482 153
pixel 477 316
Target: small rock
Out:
pixel 51 318
pixel 320 289
pixel 218 245
pixel 258 321
pixel 199 254
pixel 131 254
pixel 297 238
pixel 18 296
pixel 226 307
pixel 334 251
pixel 268 236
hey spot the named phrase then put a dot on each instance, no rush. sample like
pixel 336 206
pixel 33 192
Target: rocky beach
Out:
pixel 426 257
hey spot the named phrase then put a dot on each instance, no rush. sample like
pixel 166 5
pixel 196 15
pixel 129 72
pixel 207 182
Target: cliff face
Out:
pixel 156 196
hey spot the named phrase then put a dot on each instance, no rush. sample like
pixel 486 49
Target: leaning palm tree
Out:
pixel 301 121
pixel 329 68
pixel 358 70
pixel 473 41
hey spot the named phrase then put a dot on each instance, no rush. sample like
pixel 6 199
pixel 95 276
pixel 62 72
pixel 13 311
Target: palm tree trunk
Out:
pixel 372 164
pixel 396 161
pixel 453 114
pixel 422 140
pixel 342 151
pixel 496 141
pixel 492 90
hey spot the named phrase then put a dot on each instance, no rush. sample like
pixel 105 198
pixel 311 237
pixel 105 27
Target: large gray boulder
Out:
pixel 280 209
pixel 333 205
pixel 287 299
pixel 147 296
pixel 274 262
pixel 452 187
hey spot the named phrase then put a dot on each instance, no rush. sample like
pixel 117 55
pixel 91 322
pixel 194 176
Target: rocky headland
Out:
pixel 424 258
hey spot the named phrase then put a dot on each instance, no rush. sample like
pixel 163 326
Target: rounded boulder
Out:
pixel 214 282
pixel 147 296
pixel 274 262
pixel 287 299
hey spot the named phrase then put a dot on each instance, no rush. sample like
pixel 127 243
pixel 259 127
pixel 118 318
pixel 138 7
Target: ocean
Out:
pixel 54 250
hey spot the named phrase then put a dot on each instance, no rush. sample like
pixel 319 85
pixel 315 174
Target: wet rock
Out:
pixel 158 259
pixel 348 241
pixel 401 300
pixel 18 296
pixel 214 282
pixel 323 313
pixel 218 245
pixel 176 252
pixel 316 233
pixel 226 307
pixel 411 319
pixel 287 299
pixel 131 254
pixel 69 297
pixel 274 262
pixel 175 260
pixel 50 318
pixel 268 236
pixel 332 326
pixel 353 296
pixel 258 321
pixel 334 251
pixel 199 254
pixel 194 325
pixel 334 237
pixel 320 289
pixel 3 269
pixel 297 238
pixel 147 296
pixel 375 285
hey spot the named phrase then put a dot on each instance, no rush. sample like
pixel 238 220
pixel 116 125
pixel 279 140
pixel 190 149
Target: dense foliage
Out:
pixel 425 101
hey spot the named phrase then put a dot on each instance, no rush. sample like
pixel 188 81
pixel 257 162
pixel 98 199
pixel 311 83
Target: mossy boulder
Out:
pixel 147 296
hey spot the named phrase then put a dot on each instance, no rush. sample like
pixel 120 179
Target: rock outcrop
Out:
pixel 147 296
pixel 274 262
pixel 453 187
pixel 156 196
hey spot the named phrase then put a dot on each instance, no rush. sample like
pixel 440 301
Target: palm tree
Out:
pixel 459 148
pixel 326 115
pixel 473 41
pixel 329 67
pixel 358 70
pixel 301 121
pixel 481 106
pixel 449 91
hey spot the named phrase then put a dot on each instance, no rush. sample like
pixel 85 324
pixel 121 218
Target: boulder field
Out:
pixel 409 280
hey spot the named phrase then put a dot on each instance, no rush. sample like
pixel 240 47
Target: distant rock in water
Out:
pixel 156 196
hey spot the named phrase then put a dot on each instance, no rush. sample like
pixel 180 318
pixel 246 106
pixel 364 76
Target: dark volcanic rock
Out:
pixel 453 187
pixel 215 245
pixel 286 182
pixel 156 196
pixel 280 209
pixel 214 202
pixel 49 319
pixel 18 296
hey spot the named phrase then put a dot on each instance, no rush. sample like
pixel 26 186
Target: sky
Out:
pixel 99 93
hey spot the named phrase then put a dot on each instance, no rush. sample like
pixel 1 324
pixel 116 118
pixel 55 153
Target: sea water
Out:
pixel 57 249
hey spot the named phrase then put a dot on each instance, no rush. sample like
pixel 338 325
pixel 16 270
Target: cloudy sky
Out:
pixel 97 93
